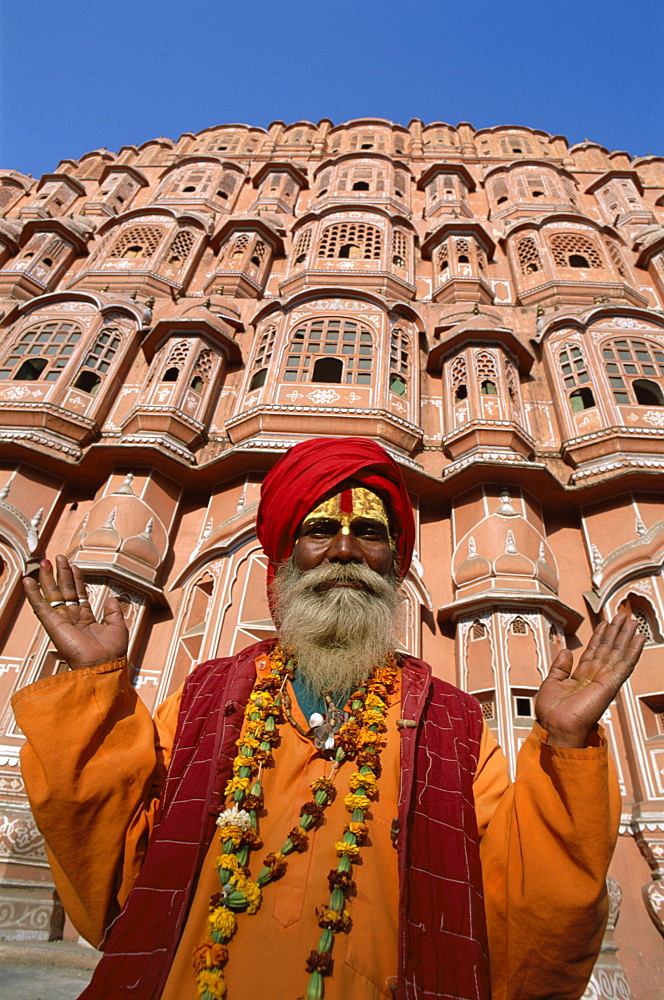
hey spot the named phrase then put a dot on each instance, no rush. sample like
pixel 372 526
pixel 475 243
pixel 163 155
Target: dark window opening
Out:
pixel 461 393
pixel 444 265
pixel 171 375
pixel 30 370
pixel 300 257
pixel 258 380
pixel 189 187
pixel 360 186
pixel 538 194
pixel 398 261
pixel 321 193
pixel 524 706
pixel 398 385
pixel 531 267
pixel 47 261
pixel 502 199
pixel 578 260
pixel 30 253
pixel 222 194
pixel 581 399
pixel 88 382
pixel 488 388
pixel 517 149
pixel 327 370
pixel 255 261
pixel 367 145
pixel 174 259
pixel 197 383
pixel 349 251
pixel 464 259
pixel 399 194
pixel 132 251
pixel 647 393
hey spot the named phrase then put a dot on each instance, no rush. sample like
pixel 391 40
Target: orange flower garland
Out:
pixel 357 739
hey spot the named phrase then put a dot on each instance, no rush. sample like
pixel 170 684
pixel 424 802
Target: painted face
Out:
pixel 352 526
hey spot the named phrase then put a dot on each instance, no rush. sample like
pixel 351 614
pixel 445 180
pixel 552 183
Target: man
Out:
pixel 423 817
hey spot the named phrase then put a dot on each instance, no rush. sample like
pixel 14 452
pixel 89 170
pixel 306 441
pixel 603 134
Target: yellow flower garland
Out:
pixel 359 737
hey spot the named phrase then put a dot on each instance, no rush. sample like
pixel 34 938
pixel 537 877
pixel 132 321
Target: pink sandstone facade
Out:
pixel 488 305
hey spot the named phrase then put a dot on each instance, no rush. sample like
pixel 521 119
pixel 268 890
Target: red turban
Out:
pixel 309 471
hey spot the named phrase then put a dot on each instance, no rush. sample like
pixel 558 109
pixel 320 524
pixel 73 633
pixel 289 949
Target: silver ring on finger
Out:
pixel 69 603
pixel 84 601
pixel 56 604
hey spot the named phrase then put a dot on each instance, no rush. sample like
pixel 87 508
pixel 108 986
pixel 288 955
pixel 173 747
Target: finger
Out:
pixel 66 583
pixel 113 614
pixel 596 639
pixel 79 584
pixel 36 599
pixel 49 587
pixel 562 666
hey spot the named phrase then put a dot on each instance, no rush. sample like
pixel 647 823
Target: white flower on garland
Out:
pixel 235 817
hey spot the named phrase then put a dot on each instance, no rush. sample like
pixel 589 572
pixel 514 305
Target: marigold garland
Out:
pixel 359 739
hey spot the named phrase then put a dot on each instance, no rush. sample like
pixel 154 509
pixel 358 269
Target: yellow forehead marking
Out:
pixel 348 506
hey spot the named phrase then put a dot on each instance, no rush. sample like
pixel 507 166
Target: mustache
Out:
pixel 361 577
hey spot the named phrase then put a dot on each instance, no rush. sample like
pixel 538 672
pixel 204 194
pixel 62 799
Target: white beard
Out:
pixel 338 634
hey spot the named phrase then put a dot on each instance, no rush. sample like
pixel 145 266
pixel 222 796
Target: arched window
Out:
pixel 139 241
pixel 443 258
pixel 459 379
pixel 528 256
pixel 360 186
pixel 302 245
pixel 576 378
pixel 399 361
pixel 262 357
pixel 337 241
pixel 346 340
pixel 42 352
pixel 398 249
pixel 572 250
pixel 624 359
pixel 176 361
pixel 98 361
pixel 203 369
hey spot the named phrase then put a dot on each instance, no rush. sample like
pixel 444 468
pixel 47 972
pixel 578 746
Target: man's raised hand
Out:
pixel 569 705
pixel 63 608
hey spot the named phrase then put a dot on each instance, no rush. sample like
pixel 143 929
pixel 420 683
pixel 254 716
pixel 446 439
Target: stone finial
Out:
pixel 472 547
pixel 510 543
pixel 36 520
pixel 541 554
pixel 126 486
pixel 640 526
pixel 596 557
pixel 110 522
pixel 4 492
pixel 147 531
pixel 506 509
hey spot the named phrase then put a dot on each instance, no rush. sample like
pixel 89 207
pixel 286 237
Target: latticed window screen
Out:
pixel 398 248
pixel 573 366
pixel 237 247
pixel 478 630
pixel 227 185
pixel 205 363
pixel 345 339
pixel 139 241
pixel 323 181
pixel 442 257
pixel 500 191
pixel 482 262
pixel 512 380
pixel 519 626
pixel 528 255
pixel 7 194
pixel 515 144
pixel 400 184
pixel 616 259
pixel 643 626
pixel 353 240
pixel 42 352
pixel 258 253
pixel 488 710
pixel 627 361
pixel 181 247
pixel 34 246
pixel 302 246
pixel 458 373
pixel 102 354
pixel 485 365
pixel 179 354
pixel 54 251
pixel 572 250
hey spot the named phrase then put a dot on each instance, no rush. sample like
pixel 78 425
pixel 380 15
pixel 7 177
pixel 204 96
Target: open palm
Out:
pixel 569 705
pixel 78 637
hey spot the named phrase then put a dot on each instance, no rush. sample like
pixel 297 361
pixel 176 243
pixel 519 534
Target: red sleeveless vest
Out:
pixel 442 933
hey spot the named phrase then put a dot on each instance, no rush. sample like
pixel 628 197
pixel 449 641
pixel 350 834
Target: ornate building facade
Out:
pixel 488 305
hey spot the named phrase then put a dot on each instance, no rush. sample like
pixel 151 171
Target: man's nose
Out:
pixel 344 547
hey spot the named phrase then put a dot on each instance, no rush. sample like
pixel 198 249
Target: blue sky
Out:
pixel 77 75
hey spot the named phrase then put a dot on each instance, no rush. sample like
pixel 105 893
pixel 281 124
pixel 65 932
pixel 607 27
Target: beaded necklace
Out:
pixel 360 739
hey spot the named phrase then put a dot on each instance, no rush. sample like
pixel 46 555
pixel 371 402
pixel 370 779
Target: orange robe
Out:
pixel 95 791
